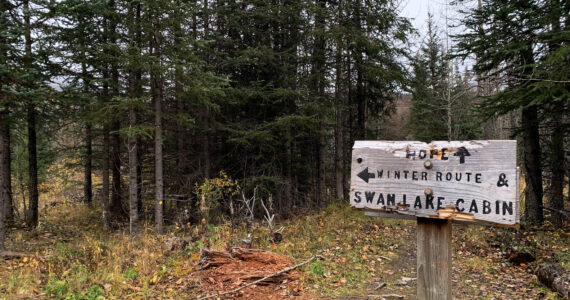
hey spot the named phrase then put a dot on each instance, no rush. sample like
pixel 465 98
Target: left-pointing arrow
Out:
pixel 364 175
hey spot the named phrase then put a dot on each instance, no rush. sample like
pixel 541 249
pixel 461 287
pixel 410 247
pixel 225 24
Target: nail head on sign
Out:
pixel 359 160
pixel 428 164
pixel 428 192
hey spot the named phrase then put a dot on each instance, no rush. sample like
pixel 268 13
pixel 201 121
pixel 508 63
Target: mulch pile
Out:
pixel 223 271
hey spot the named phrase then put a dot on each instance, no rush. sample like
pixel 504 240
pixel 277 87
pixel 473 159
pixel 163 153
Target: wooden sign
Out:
pixel 469 181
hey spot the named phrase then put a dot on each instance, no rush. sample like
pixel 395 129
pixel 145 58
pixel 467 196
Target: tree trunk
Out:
pixel 556 193
pixel 133 180
pixel 87 184
pixel 139 174
pixel 532 167
pixel 338 130
pixel 338 139
pixel 5 163
pixel 206 154
pixel 288 170
pixel 360 93
pixel 5 193
pixel 116 206
pixel 158 157
pixel 322 189
pixel 134 30
pixel 557 150
pixel 105 163
pixel 138 93
pixel 318 86
pixel 351 134
pixel 3 196
pixel 158 173
pixel 205 137
pixel 106 211
pixel 32 213
pixel 181 159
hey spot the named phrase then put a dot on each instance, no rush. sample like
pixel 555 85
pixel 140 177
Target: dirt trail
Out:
pixel 478 273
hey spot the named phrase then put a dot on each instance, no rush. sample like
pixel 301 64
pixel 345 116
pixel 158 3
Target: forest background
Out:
pixel 161 98
pixel 177 111
pixel 150 117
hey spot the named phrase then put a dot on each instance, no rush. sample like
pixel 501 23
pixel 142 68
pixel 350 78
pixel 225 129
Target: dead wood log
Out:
pixel 555 277
pixel 7 255
pixel 13 255
pixel 213 258
pixel 387 296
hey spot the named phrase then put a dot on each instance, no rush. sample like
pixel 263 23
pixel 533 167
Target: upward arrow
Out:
pixel 364 175
pixel 462 152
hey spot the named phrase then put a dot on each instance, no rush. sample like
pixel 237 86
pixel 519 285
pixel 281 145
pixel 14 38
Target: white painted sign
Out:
pixel 471 181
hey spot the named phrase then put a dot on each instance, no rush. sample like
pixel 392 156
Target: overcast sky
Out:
pixel 417 11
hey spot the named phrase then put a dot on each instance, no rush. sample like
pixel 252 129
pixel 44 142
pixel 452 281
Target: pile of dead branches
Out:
pixel 248 274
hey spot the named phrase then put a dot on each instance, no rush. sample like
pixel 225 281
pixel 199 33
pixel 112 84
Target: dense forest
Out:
pixel 202 148
pixel 181 110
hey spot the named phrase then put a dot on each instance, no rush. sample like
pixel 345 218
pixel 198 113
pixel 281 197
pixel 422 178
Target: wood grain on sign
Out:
pixel 471 181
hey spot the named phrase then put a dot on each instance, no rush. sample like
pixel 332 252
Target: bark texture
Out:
pixel 532 167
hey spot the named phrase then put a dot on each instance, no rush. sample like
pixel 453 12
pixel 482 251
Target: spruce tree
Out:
pixel 519 42
pixel 428 114
pixel 7 78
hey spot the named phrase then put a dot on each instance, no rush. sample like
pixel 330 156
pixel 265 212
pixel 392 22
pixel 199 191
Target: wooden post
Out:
pixel 434 259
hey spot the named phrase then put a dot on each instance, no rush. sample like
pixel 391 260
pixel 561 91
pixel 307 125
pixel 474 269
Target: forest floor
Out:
pixel 69 256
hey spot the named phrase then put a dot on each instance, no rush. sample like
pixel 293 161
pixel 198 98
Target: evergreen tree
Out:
pixel 428 114
pixel 442 101
pixel 32 61
pixel 518 43
pixel 465 124
pixel 7 79
pixel 254 88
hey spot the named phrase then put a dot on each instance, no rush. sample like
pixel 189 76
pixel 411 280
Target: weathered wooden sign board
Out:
pixel 436 183
pixel 469 181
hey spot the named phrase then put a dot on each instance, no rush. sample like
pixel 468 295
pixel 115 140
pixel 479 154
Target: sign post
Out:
pixel 433 259
pixel 474 182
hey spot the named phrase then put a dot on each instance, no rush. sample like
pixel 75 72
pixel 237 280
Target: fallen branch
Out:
pixel 15 255
pixel 384 257
pixel 388 296
pixel 381 285
pixel 264 278
pixel 404 280
pixel 12 255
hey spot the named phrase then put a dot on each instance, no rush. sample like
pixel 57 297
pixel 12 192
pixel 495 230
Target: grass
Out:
pixel 350 242
pixel 73 258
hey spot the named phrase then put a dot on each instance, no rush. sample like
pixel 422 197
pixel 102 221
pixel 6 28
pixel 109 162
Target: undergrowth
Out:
pixel 73 258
